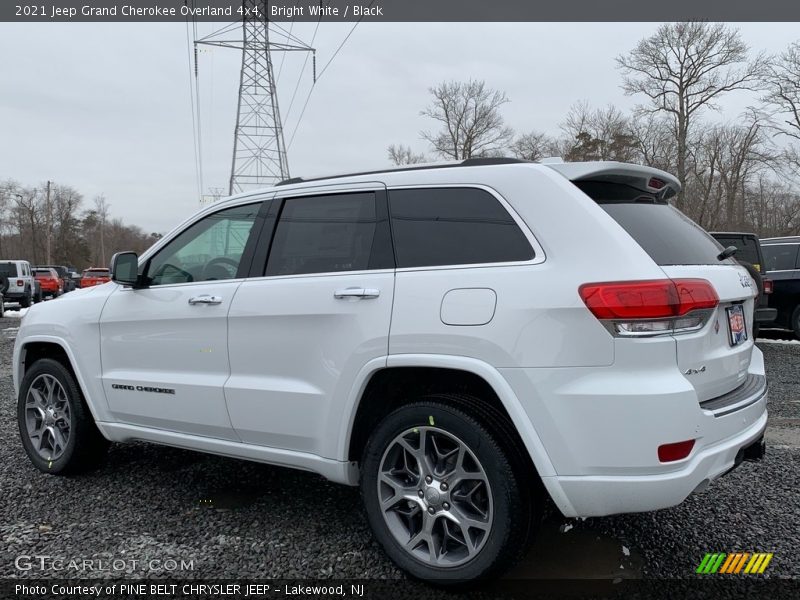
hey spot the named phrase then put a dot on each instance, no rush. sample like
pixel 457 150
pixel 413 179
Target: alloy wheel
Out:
pixel 435 496
pixel 48 417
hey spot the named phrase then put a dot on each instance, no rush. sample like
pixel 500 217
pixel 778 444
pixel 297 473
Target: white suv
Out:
pixel 16 282
pixel 460 340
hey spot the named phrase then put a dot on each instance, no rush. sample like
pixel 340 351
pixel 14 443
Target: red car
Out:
pixel 49 282
pixel 95 276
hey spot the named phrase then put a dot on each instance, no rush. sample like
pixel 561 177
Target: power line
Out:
pixel 317 78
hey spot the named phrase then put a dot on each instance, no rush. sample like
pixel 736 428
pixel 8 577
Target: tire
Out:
pixel 3 285
pixel 25 301
pixel 2 307
pixel 796 321
pixel 756 330
pixel 495 484
pixel 78 446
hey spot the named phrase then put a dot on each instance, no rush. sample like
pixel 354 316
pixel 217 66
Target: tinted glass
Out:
pixel 8 270
pixel 780 257
pixel 453 226
pixel 665 233
pixel 747 247
pixel 209 250
pixel 324 234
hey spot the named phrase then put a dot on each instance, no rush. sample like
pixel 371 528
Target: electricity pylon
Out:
pixel 259 151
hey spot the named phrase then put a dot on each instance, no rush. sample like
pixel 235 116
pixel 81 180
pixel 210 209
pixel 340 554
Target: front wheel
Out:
pixel 442 495
pixel 57 430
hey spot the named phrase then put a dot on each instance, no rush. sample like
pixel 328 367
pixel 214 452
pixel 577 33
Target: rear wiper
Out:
pixel 727 253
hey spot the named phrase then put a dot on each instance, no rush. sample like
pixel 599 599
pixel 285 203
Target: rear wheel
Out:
pixel 57 430
pixel 25 301
pixel 444 495
pixel 796 321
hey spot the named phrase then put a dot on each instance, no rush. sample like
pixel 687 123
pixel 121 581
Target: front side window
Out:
pixel 209 250
pixel 781 257
pixel 324 234
pixel 454 226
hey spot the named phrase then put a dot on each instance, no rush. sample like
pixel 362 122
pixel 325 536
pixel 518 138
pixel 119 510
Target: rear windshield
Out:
pixel 95 273
pixel 8 270
pixel 665 233
pixel 42 272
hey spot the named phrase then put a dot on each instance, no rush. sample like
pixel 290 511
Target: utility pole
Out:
pixel 47 224
pixel 259 151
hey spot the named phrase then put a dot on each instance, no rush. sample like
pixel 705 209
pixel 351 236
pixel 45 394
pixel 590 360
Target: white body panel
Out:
pixel 290 380
pixel 276 371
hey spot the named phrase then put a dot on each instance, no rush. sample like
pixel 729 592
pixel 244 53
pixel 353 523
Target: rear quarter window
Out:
pixel 453 226
pixel 781 257
pixel 665 233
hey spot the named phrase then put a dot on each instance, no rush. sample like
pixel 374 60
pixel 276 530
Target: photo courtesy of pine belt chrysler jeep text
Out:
pixel 463 341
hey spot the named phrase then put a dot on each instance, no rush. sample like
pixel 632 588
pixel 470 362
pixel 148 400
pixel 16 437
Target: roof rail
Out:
pixel 468 162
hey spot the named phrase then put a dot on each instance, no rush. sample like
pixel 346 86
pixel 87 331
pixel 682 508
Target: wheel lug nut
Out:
pixel 446 506
pixel 420 493
pixel 428 479
pixel 431 510
pixel 444 487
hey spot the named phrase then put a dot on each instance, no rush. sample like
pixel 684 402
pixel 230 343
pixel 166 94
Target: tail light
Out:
pixel 20 283
pixel 767 285
pixel 653 307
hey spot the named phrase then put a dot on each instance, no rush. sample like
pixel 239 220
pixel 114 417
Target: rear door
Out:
pixel 303 327
pixel 715 358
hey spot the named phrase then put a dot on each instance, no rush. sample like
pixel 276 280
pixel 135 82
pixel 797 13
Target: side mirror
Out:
pixel 125 268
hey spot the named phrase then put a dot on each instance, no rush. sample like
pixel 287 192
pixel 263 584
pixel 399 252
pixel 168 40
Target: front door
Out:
pixel 164 348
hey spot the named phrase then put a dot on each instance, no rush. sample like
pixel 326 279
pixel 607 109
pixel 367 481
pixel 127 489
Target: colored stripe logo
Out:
pixel 735 563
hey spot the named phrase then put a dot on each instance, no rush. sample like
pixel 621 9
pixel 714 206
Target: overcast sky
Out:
pixel 106 108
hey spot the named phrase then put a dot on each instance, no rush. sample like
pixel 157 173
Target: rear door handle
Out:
pixel 205 299
pixel 356 292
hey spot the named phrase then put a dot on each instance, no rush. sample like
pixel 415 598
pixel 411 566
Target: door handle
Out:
pixel 356 292
pixel 205 299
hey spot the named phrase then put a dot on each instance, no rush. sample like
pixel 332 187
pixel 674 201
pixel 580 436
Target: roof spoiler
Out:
pixel 647 179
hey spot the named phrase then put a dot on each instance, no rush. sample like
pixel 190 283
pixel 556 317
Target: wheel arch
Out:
pixel 415 374
pixel 36 348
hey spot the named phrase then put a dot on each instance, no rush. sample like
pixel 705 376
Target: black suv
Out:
pixel 782 263
pixel 750 255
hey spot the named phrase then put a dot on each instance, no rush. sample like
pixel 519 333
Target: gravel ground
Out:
pixel 239 519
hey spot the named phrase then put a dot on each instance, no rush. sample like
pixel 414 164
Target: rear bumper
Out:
pixel 601 428
pixel 765 315
pixel 606 495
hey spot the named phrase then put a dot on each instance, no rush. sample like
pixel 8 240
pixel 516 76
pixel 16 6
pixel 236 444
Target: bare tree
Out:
pixel 597 134
pixel 469 113
pixel 534 146
pixel 684 68
pixel 783 97
pixel 404 155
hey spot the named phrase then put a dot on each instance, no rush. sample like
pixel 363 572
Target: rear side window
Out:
pixel 324 234
pixel 665 233
pixel 781 257
pixel 453 226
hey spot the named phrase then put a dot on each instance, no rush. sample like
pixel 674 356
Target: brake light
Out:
pixel 676 451
pixel 20 282
pixel 651 307
pixel 655 183
pixel 767 285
